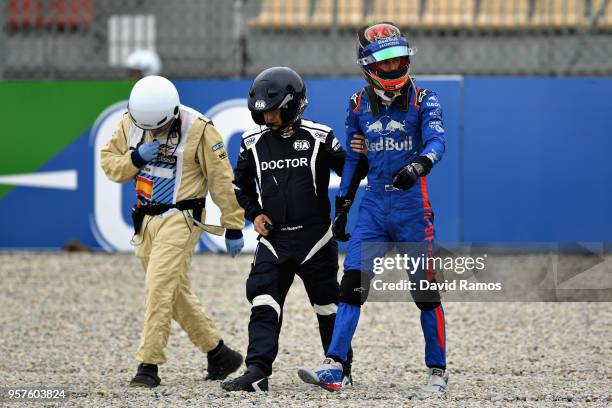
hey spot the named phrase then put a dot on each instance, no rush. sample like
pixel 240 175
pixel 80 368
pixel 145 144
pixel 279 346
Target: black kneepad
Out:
pixel 426 299
pixel 354 287
pixel 425 306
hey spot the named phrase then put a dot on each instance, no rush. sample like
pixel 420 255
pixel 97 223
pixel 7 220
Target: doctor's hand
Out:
pixel 358 144
pixel 259 224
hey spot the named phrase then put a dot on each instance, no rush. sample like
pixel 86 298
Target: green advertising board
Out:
pixel 41 118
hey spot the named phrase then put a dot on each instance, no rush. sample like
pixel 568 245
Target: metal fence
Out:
pixel 90 39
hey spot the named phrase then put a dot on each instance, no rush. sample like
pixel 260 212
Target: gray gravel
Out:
pixel 73 321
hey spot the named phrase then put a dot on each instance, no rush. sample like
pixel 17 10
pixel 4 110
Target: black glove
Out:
pixel 408 176
pixel 343 205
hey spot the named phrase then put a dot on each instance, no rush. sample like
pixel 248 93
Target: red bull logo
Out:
pixel 385 129
pixel 389 143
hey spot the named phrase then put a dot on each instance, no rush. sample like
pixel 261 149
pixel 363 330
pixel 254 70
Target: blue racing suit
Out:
pixel 396 134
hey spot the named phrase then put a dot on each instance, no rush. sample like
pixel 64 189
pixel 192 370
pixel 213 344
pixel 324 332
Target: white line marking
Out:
pixel 63 180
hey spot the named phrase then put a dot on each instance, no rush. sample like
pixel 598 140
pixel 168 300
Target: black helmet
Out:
pixel 278 88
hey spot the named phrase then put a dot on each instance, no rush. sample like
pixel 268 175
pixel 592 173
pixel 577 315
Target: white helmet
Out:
pixel 154 102
pixel 145 61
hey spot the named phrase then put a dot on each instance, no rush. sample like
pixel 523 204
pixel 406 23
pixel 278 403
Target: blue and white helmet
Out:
pixel 380 42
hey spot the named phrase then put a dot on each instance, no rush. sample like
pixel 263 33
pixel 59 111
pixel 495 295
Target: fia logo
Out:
pixel 301 145
pixel 260 104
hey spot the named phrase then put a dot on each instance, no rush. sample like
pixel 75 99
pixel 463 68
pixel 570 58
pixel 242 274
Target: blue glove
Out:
pixel 234 242
pixel 149 151
pixel 145 153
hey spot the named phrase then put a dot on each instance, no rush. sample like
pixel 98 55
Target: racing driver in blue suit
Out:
pixel 403 132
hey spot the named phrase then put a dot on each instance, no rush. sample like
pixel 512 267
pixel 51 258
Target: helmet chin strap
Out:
pixel 163 129
pixel 387 97
pixel 172 130
pixel 285 132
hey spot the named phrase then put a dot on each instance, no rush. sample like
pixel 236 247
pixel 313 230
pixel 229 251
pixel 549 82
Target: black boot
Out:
pixel 347 367
pixel 252 380
pixel 222 361
pixel 347 374
pixel 146 376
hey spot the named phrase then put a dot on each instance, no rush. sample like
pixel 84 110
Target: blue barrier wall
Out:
pixel 525 162
pixel 535 161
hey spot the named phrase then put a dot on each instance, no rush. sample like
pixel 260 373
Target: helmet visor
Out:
pixel 387 53
pixel 402 63
pixel 377 52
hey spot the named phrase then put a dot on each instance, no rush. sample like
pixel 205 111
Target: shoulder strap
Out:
pixel 419 96
pixel 356 101
pixel 373 99
pixel 206 120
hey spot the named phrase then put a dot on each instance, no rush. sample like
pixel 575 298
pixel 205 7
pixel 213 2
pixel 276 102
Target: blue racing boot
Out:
pixel 329 375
